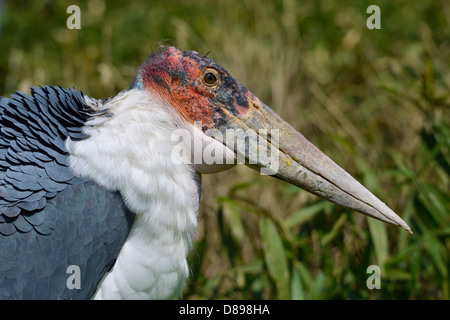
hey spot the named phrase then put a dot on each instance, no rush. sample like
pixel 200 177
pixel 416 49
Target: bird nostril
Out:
pixel 256 106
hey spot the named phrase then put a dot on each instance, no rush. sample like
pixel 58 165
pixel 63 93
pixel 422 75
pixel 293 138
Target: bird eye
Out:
pixel 210 77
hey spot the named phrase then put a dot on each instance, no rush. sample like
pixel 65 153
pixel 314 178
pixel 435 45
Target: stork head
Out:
pixel 230 120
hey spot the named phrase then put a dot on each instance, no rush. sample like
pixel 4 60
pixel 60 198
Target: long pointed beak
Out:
pixel 296 160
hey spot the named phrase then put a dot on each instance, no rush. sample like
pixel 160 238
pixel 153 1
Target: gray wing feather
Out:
pixel 50 219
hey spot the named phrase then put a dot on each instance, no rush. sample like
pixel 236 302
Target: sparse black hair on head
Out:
pixel 136 82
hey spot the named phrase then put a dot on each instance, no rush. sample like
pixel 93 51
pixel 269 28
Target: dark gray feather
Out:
pixel 50 219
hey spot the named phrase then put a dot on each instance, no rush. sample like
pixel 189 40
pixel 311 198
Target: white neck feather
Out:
pixel 129 152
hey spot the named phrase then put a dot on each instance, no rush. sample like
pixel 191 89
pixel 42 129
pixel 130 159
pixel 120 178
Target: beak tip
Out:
pixel 396 220
pixel 406 227
pixel 392 218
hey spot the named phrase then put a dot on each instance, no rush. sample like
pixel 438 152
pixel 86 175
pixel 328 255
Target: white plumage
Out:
pixel 129 149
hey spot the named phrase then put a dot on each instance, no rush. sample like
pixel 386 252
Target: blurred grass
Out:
pixel 376 101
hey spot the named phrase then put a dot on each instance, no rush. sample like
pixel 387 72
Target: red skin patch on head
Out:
pixel 177 77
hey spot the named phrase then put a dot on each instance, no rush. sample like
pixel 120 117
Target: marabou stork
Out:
pixel 95 184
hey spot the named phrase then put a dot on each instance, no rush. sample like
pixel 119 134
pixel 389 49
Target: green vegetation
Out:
pixel 376 101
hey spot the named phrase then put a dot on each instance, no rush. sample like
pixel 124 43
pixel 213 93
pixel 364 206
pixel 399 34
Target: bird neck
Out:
pixel 129 149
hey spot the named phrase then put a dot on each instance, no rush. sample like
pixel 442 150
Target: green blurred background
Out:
pixel 376 101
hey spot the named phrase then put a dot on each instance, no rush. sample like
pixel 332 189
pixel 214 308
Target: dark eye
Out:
pixel 211 77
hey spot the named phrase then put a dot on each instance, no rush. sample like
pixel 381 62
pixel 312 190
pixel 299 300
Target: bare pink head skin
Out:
pixel 202 93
